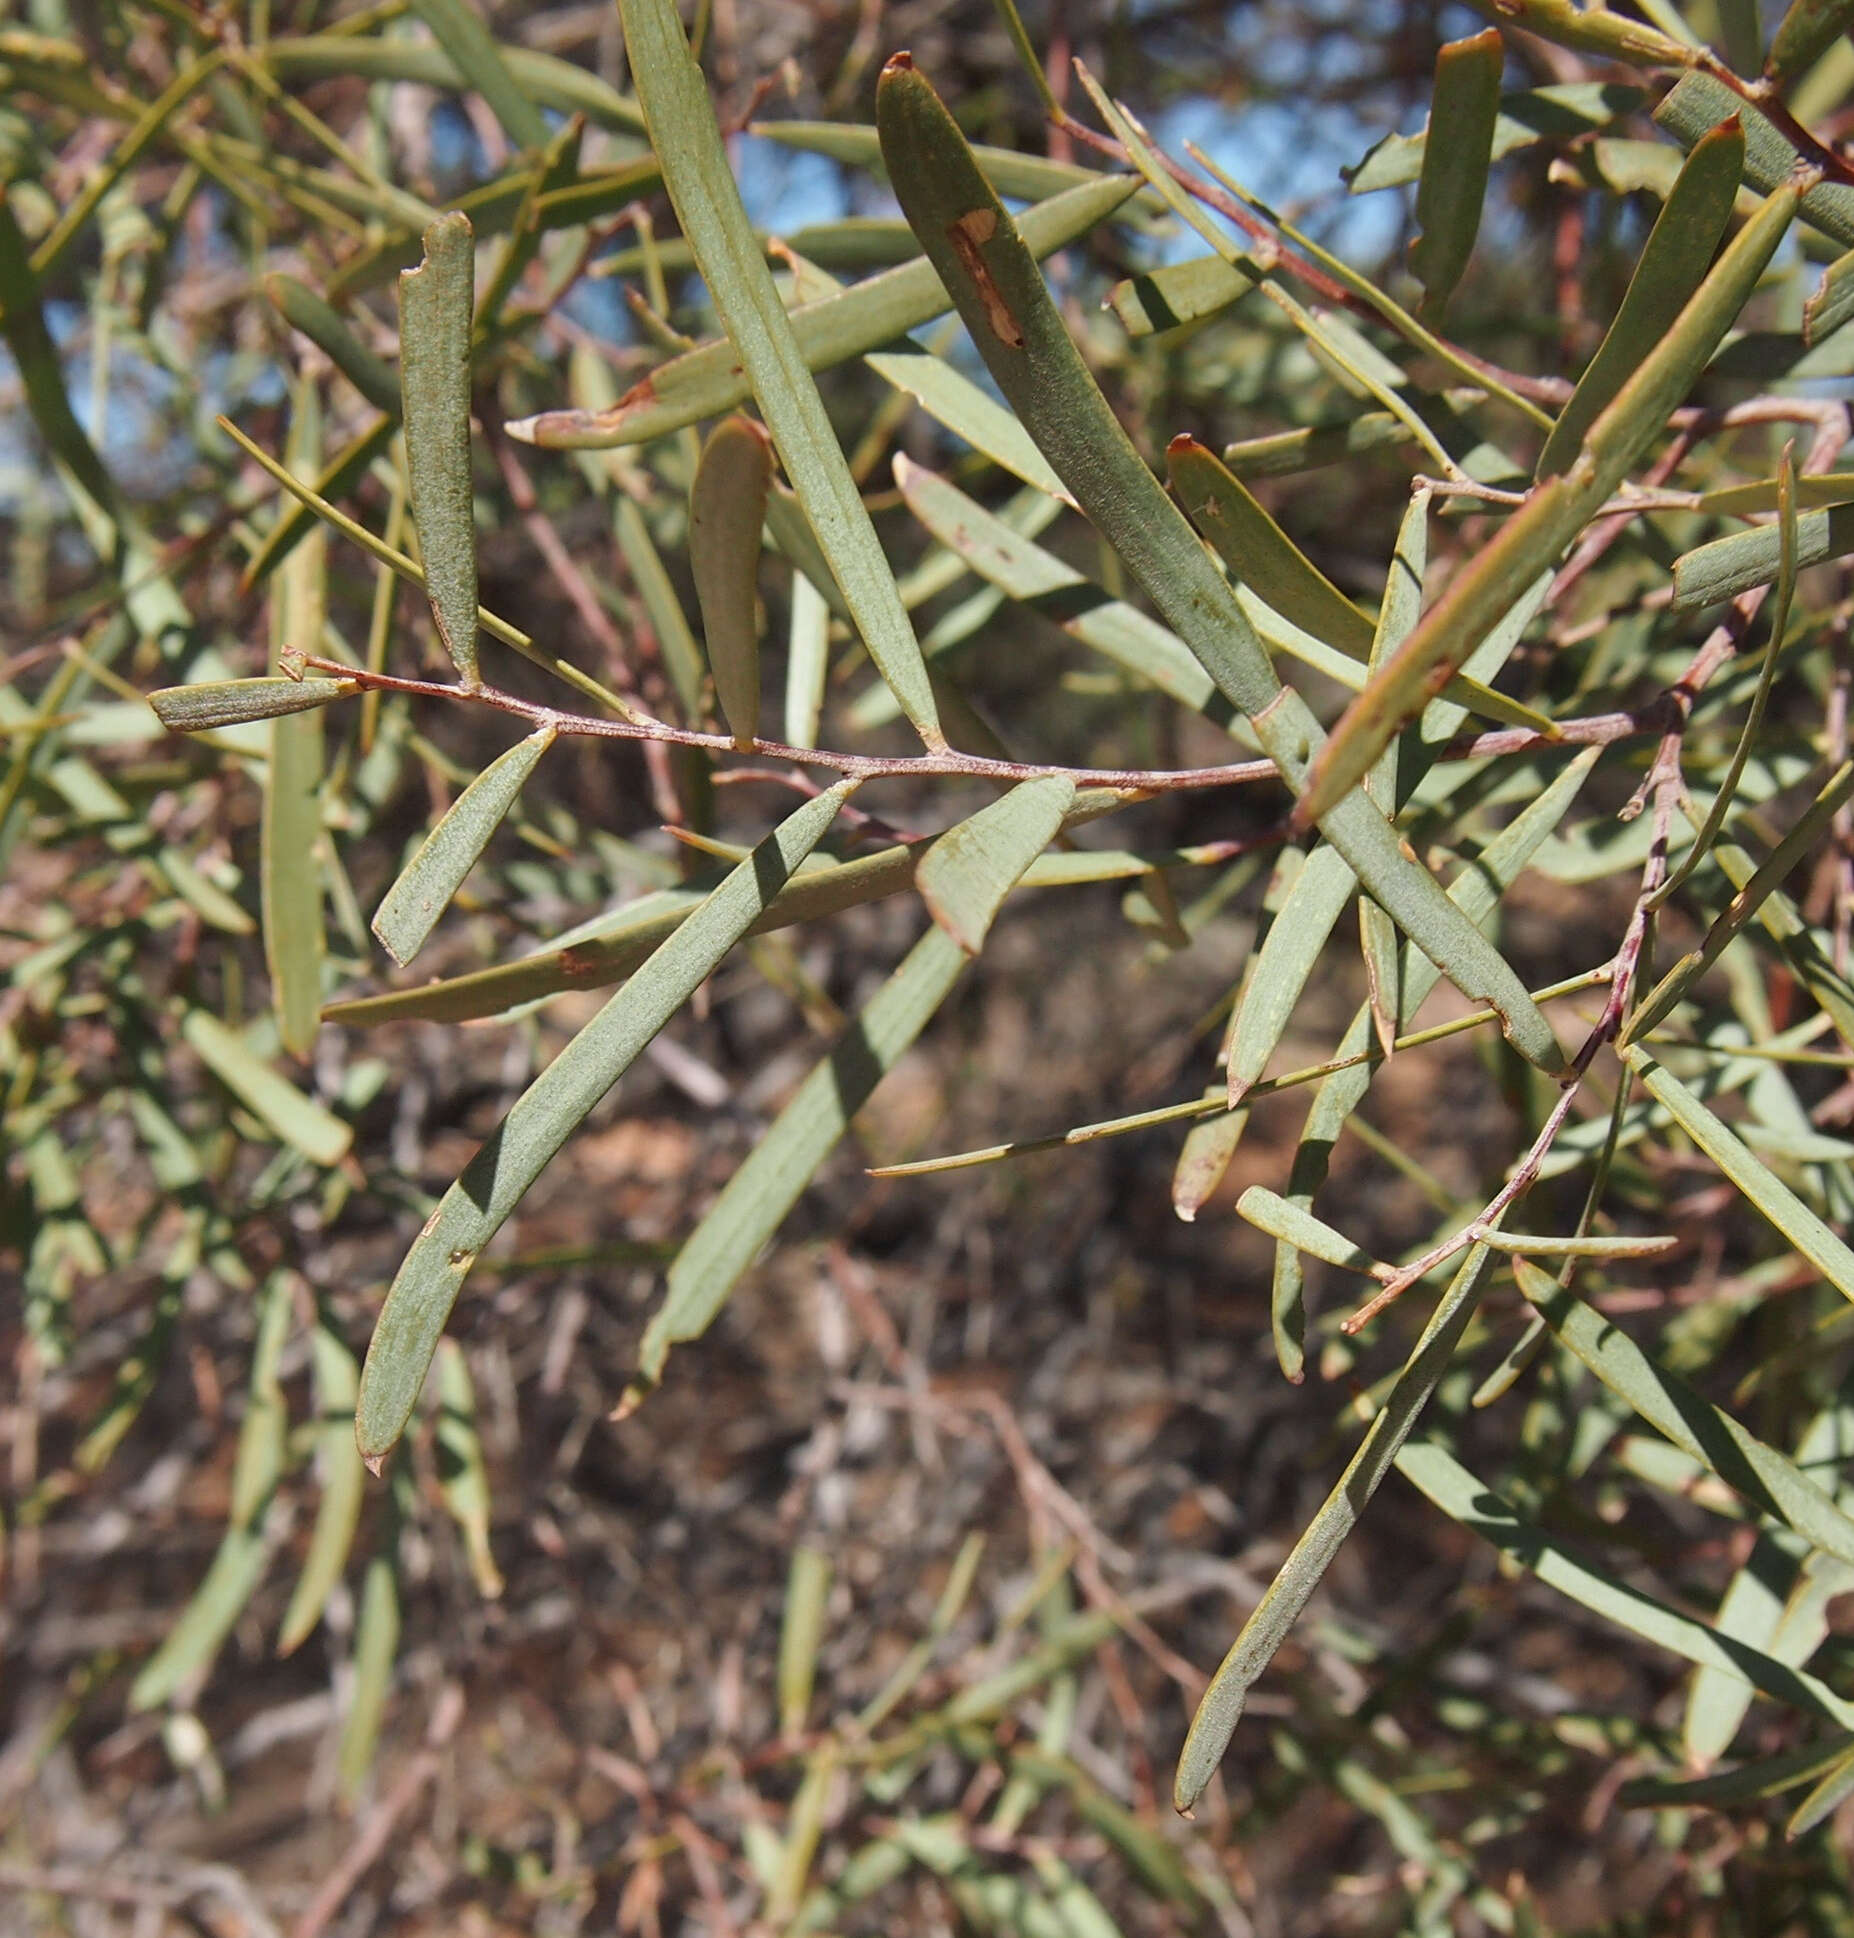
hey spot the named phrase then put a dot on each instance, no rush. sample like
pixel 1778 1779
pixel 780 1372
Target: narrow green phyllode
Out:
pixel 1453 184
pixel 727 511
pixel 436 307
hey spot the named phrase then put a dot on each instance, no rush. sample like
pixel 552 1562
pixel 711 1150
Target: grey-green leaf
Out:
pixel 546 1115
pixel 234 703
pixel 1673 263
pixel 459 30
pixel 338 1461
pixel 1475 1506
pixel 411 907
pixel 296 1119
pixel 966 874
pixel 758 1195
pixel 708 381
pixel 1768 1479
pixel 1827 1252
pixel 688 143
pixel 1000 293
pixel 1258 552
pixel 1221 1706
pixel 1453 184
pixel 727 509
pixel 436 313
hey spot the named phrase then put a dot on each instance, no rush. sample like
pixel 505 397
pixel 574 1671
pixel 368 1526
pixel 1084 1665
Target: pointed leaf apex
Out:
pixel 899 62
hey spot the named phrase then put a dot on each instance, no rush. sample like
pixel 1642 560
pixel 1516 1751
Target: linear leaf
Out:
pixel 1749 1612
pixel 436 308
pixel 414 574
pixel 1836 1786
pixel 238 1566
pixel 1797 845
pixel 1177 293
pixel 1039 579
pixel 463 1479
pixel 695 171
pixel 709 381
pixel 546 1115
pixel 1281 453
pixel 293 848
pixel 1772 1603
pixel 1258 552
pixel 1000 293
pixel 611 948
pixel 1765 1776
pixel 964 877
pixel 1803 36
pixel 1476 1507
pixel 801 1634
pixel 1672 265
pixel 343 1479
pixel 1832 303
pixel 758 1196
pixel 727 509
pixel 807 663
pixel 1821 1247
pixel 298 1120
pixel 544 79
pixel 376 1643
pixel 1453 184
pixel 1025 178
pixel 1476 891
pixel 1294 1225
pixel 197 1635
pixel 340 475
pixel 327 329
pixel 1553 514
pixel 1561 112
pixel 1286 959
pixel 234 703
pixel 951 398
pixel 1699 102
pixel 1762 494
pixel 1725 567
pixel 1770 1481
pixel 458 28
pixel 1220 1708
pixel 411 907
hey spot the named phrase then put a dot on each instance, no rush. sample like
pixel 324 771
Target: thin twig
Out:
pixel 1594 730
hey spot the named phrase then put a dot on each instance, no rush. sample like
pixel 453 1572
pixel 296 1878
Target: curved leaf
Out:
pixel 1672 265
pixel 966 874
pixel 1258 552
pixel 1221 1706
pixel 727 511
pixel 1453 183
pixel 411 907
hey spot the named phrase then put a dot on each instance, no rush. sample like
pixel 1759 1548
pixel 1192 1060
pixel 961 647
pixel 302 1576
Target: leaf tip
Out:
pixel 899 62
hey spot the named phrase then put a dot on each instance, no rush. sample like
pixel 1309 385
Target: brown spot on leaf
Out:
pixel 978 226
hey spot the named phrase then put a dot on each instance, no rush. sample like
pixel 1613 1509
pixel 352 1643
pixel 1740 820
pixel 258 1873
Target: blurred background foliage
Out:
pixel 888 1611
